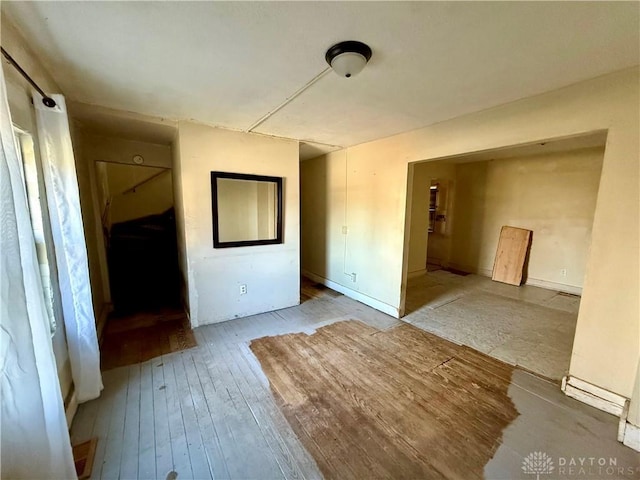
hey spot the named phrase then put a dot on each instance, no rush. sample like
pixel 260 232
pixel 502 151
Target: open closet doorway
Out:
pixel 138 223
pixel 457 210
pixel 130 162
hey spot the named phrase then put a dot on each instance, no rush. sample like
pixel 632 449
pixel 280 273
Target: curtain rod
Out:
pixel 46 99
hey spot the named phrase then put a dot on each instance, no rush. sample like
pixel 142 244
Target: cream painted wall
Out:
pixel 121 150
pixel 553 195
pixel 634 408
pixel 270 272
pixel 609 320
pixel 323 194
pixel 178 206
pixel 419 220
pixel 151 198
pixel 153 195
pixel 23 115
pixel 122 177
pixel 347 189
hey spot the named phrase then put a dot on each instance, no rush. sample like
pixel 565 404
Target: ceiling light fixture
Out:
pixel 345 58
pixel 348 58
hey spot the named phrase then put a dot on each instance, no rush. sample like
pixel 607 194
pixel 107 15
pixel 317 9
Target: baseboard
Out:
pixel 628 433
pixel 622 424
pixel 560 287
pixel 534 282
pixel 632 436
pixel 467 268
pixel 71 407
pixel 417 273
pixel 593 395
pixel 436 261
pixel 360 297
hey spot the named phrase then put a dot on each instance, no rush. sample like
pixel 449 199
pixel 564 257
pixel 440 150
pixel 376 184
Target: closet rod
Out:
pixel 46 99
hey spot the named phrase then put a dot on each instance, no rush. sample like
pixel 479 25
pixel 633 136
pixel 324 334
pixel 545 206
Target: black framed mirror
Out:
pixel 247 209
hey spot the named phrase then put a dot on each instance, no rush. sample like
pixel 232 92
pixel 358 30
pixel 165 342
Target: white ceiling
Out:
pixel 229 64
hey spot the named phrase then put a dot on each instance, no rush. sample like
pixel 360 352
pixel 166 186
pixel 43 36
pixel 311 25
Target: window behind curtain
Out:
pixel 36 200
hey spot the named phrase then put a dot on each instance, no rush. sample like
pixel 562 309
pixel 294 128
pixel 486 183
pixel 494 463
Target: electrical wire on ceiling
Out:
pixel 346 58
pixel 289 99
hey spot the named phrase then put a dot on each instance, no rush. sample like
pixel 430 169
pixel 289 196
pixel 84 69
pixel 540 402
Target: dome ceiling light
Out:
pixel 345 58
pixel 348 58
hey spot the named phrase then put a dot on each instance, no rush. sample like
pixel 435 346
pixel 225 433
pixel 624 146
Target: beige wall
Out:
pixel 361 193
pixel 270 272
pixel 108 148
pixel 634 407
pixel 153 193
pixel 178 205
pixel 23 115
pixel 608 323
pixel 322 200
pixel 553 195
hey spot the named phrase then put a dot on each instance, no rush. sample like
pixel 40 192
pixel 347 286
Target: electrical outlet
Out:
pixel 243 289
pixel 353 277
pixel 563 272
pixel 345 230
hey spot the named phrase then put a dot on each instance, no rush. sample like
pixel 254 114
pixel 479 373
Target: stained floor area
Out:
pixel 209 411
pixel 526 326
pixel 364 400
pixel 136 337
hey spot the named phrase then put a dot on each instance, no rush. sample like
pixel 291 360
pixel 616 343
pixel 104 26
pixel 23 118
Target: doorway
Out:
pixel 138 222
pixel 550 188
pixel 139 228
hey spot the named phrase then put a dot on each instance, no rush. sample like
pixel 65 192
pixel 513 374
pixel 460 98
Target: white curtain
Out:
pixel 34 437
pixel 63 200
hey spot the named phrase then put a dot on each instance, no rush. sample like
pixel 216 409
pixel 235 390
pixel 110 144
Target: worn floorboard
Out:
pixel 134 338
pixel 390 397
pixel 211 411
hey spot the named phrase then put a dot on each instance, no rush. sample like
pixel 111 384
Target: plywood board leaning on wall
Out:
pixel 511 255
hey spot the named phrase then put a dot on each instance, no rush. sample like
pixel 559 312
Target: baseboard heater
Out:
pixel 606 401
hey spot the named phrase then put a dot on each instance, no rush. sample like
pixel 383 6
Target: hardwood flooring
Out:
pixel 209 411
pixel 138 337
pixel 369 403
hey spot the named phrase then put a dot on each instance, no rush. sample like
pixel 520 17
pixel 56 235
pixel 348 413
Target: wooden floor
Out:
pixel 134 338
pixel 364 400
pixel 209 411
